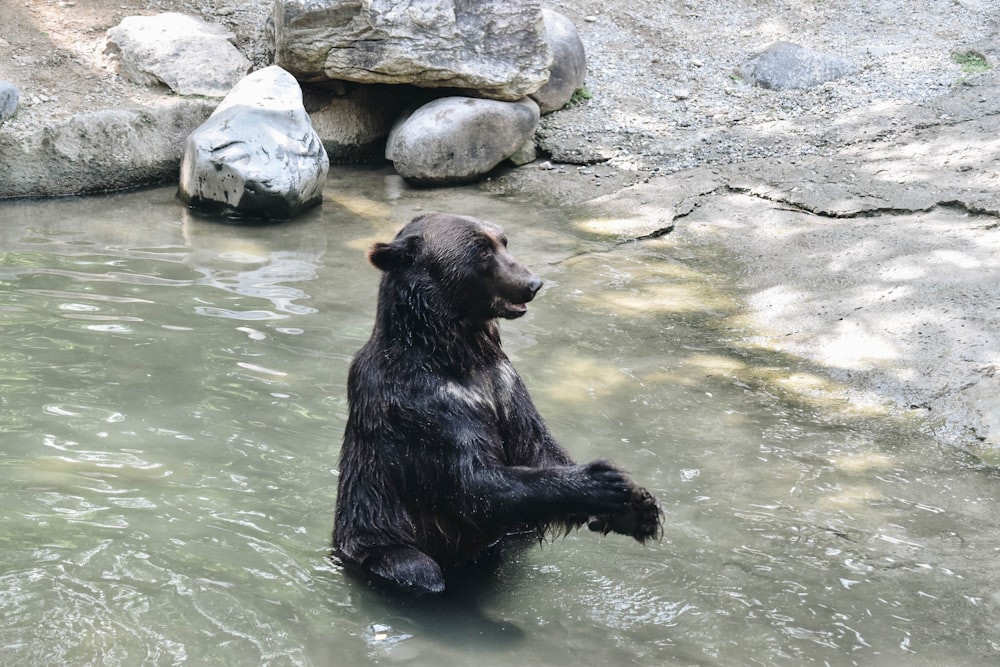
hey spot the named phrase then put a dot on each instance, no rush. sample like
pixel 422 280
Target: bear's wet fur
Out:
pixel 444 453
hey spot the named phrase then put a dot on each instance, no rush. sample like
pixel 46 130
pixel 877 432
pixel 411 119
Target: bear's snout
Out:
pixel 534 285
pixel 513 294
pixel 524 287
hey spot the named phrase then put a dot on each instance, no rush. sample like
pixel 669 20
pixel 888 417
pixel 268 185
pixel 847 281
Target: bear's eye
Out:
pixel 485 251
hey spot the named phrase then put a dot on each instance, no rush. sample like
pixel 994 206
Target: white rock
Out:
pixel 257 155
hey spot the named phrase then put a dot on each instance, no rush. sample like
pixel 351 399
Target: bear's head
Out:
pixel 458 264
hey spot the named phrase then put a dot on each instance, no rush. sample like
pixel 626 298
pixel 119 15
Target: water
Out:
pixel 173 400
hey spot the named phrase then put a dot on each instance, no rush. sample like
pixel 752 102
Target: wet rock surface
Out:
pixel 257 156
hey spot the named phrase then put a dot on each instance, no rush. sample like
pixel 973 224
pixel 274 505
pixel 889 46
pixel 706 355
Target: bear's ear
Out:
pixel 396 255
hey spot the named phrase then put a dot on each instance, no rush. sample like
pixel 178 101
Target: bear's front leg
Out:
pixel 641 520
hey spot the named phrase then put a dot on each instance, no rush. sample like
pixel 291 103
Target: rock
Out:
pixel 459 139
pixel 9 97
pixel 99 151
pixel 568 65
pixel 784 65
pixel 257 155
pixel 526 154
pixel 493 47
pixel 187 54
pixel 353 121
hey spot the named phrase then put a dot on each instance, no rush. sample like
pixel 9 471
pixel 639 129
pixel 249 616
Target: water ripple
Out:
pixel 173 402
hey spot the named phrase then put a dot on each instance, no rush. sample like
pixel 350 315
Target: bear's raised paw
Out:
pixel 642 519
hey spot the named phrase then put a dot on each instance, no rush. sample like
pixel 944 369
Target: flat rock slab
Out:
pixel 900 306
pixel 874 267
pixel 187 54
pixel 100 151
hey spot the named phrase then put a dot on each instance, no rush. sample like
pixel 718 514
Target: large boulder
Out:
pixel 784 65
pixel 187 54
pixel 257 155
pixel 492 47
pixel 568 66
pixel 459 139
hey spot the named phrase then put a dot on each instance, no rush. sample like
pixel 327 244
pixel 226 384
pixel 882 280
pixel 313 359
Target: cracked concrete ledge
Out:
pixel 902 306
pixel 942 166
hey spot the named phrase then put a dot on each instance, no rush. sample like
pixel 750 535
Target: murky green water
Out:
pixel 173 400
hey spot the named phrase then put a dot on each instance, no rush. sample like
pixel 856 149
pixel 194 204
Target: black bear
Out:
pixel 444 453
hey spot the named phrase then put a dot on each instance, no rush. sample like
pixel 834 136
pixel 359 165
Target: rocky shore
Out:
pixel 865 212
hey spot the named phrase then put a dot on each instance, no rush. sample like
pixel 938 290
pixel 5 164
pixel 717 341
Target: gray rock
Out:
pixel 459 139
pixel 568 66
pixel 493 47
pixel 526 154
pixel 352 121
pixel 257 155
pixel 8 100
pixel 784 65
pixel 187 54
